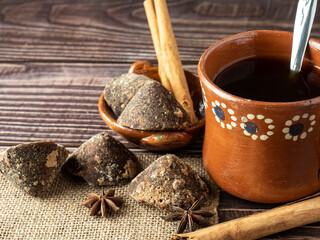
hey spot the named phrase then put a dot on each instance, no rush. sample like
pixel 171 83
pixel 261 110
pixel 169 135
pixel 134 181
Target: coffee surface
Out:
pixel 266 79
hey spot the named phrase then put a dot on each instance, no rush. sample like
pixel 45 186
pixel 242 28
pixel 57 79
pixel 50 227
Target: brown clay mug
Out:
pixel 272 164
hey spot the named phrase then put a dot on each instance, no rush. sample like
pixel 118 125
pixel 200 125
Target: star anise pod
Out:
pixel 103 202
pixel 191 215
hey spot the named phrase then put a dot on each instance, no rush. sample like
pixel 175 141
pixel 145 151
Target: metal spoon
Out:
pixel 302 27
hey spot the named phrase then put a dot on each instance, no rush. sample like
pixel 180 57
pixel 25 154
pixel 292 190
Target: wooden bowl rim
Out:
pixel 107 116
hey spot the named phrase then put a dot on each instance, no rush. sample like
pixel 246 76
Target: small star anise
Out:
pixel 103 202
pixel 190 216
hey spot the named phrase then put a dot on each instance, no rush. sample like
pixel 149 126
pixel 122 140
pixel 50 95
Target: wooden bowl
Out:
pixel 158 140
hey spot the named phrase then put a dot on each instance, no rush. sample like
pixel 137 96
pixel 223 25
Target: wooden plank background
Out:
pixel 56 56
pixel 117 31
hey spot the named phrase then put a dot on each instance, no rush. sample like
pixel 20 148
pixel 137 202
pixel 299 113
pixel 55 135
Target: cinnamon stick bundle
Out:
pixel 169 62
pixel 153 25
pixel 261 224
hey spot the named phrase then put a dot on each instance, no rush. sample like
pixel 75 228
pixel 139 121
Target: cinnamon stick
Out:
pixel 174 69
pixel 261 224
pixel 153 25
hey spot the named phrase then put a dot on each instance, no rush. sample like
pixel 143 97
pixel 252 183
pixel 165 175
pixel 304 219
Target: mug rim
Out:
pixel 204 77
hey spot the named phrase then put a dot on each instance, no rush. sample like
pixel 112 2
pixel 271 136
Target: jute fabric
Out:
pixel 60 215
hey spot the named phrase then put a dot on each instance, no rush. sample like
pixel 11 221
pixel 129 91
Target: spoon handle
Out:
pixel 302 27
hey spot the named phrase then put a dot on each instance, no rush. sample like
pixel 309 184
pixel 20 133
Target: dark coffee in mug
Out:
pixel 266 79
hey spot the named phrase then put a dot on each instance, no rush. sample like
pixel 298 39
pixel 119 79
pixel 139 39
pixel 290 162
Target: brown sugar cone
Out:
pixel 153 108
pixel 102 160
pixel 119 90
pixel 33 166
pixel 174 69
pixel 168 182
pixel 153 25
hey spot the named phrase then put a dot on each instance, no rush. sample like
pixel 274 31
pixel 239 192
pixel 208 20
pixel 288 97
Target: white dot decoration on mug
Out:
pixel 224 115
pixel 250 125
pixel 295 128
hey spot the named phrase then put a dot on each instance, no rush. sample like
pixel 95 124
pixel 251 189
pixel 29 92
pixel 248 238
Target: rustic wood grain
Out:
pixel 57 101
pixel 117 31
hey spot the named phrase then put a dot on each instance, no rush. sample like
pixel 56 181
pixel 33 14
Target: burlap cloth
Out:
pixel 60 215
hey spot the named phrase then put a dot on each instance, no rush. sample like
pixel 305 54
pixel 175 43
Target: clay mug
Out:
pixel 260 151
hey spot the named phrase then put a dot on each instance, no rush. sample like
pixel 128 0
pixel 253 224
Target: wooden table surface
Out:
pixel 57 55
